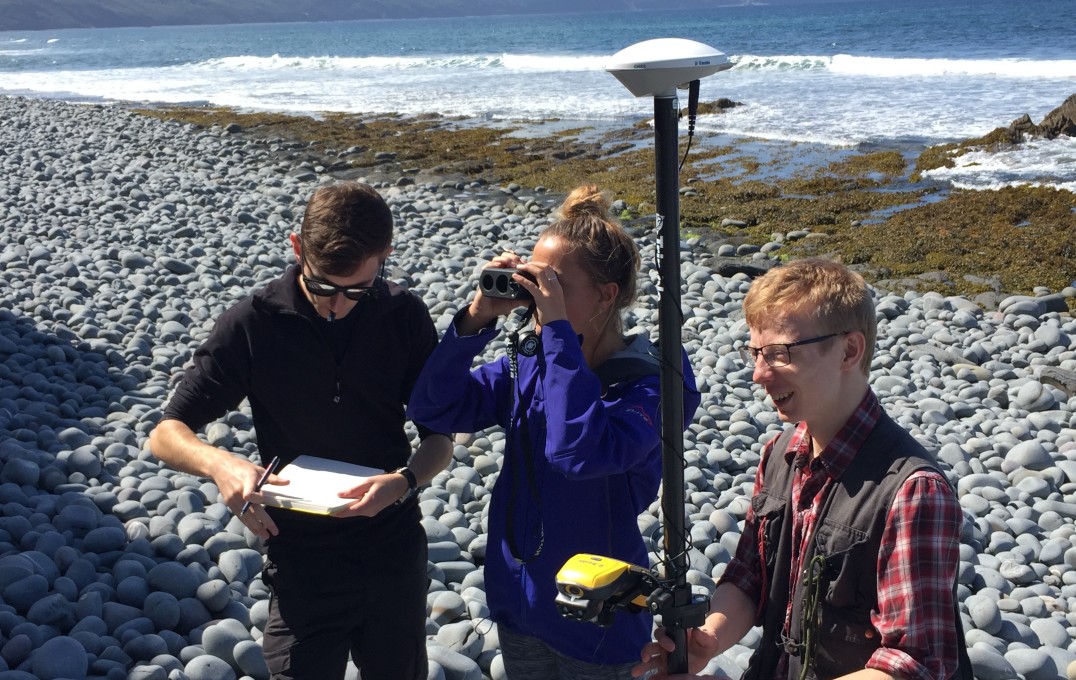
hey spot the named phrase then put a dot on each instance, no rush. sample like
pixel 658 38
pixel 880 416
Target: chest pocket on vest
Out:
pixel 769 510
pixel 844 564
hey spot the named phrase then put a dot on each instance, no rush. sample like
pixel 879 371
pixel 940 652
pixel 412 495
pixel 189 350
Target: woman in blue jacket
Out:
pixel 582 457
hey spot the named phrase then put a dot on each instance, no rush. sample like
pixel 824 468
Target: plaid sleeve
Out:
pixel 917 563
pixel 745 571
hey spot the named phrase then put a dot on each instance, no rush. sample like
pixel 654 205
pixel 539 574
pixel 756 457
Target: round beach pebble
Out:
pixel 207 667
pixel 60 657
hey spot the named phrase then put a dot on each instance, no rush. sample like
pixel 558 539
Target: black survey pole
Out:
pixel 670 324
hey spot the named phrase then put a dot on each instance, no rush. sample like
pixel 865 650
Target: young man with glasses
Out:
pixel 327 356
pixel 850 548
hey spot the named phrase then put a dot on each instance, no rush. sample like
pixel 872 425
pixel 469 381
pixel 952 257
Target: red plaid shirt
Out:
pixel 917 560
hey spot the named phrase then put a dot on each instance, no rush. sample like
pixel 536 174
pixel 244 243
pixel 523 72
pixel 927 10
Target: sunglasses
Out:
pixel 323 288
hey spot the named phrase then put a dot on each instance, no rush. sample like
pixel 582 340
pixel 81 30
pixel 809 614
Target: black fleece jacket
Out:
pixel 310 395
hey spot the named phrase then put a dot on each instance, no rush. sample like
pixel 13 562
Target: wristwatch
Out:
pixel 412 484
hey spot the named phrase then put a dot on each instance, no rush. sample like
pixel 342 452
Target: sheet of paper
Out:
pixel 315 483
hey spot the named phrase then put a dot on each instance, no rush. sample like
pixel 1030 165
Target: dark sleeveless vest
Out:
pixel 840 570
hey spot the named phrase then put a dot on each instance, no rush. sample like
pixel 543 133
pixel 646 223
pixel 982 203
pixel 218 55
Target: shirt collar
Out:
pixel 837 455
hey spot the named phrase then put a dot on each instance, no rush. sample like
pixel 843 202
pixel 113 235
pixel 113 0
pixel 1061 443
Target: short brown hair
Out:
pixel 607 253
pixel 836 298
pixel 344 225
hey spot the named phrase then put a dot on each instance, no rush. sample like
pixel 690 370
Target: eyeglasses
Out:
pixel 778 355
pixel 323 288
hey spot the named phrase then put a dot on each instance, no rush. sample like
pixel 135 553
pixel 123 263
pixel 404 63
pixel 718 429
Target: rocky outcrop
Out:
pixel 718 105
pixel 1059 122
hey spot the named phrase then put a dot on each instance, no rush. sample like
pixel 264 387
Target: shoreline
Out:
pixel 865 205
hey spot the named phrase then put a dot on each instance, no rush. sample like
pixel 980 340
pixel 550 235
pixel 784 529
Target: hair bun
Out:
pixel 586 200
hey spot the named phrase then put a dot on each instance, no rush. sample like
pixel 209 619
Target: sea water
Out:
pixel 847 74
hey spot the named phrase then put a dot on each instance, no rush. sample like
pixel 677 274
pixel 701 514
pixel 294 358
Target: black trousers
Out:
pixel 367 601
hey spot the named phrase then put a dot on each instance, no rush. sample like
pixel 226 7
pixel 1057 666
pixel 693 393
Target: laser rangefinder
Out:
pixel 497 282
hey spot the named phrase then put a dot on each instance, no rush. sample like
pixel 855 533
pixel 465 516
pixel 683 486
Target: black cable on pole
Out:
pixel 692 114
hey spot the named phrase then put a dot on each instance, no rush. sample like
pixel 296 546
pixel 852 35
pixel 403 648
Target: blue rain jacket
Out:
pixel 595 466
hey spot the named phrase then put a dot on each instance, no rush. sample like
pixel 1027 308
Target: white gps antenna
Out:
pixel 655 68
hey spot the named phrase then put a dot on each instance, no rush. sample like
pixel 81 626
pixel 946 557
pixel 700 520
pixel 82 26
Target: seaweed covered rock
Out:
pixel 1060 121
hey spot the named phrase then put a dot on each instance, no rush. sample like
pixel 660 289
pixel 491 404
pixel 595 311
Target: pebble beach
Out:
pixel 124 237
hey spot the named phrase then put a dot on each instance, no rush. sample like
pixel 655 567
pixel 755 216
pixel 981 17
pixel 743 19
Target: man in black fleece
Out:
pixel 327 355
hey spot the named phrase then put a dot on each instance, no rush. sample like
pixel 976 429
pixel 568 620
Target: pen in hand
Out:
pixel 261 482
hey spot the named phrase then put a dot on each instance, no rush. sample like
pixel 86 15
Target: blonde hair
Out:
pixel 605 251
pixel 834 296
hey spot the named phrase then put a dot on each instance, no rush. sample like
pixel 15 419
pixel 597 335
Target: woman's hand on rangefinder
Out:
pixel 484 309
pixel 546 290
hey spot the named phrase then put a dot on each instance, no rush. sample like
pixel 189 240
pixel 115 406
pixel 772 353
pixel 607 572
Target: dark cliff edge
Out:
pixel 58 14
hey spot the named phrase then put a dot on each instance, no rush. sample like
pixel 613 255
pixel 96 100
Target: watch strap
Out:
pixel 412 483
